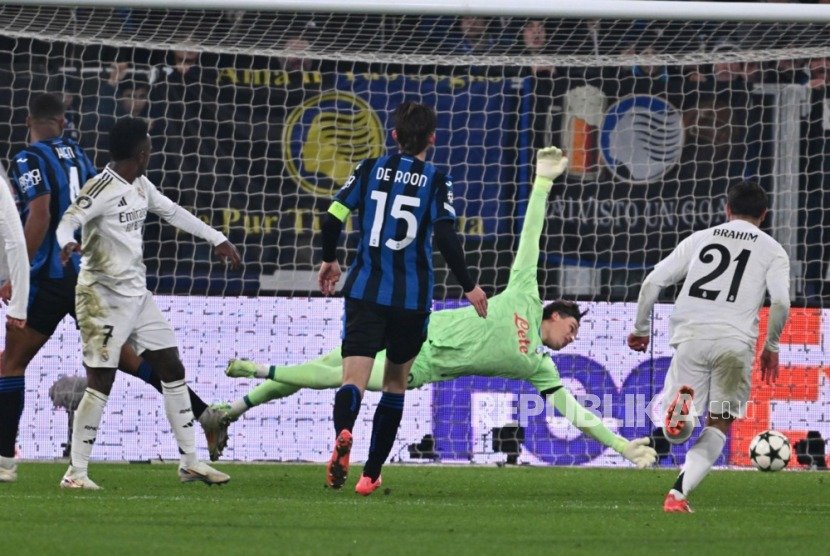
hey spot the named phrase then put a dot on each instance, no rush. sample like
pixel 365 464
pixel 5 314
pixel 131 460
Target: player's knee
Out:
pixel 166 363
pixel 100 380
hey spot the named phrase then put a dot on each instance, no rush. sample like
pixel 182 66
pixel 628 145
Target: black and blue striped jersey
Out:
pixel 398 198
pixel 56 167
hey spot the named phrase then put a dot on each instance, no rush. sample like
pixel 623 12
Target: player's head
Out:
pixel 414 127
pixel 130 142
pixel 46 116
pixel 746 200
pixel 560 323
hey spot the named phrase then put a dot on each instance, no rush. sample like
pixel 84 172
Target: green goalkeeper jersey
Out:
pixel 507 343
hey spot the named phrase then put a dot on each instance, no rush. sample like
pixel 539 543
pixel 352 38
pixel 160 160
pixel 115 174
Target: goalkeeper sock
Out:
pixel 346 407
pixel 180 415
pixel 85 428
pixel 700 459
pixel 265 392
pixel 384 430
pixel 148 375
pixel 12 394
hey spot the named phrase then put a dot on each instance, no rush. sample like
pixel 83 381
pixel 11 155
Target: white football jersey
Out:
pixel 727 269
pixel 111 212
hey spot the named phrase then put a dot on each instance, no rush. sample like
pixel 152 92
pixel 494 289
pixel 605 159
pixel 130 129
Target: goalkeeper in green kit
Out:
pixel 508 343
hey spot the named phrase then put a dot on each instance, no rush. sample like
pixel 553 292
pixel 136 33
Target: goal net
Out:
pixel 258 117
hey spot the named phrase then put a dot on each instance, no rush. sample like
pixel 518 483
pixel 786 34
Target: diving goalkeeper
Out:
pixel 460 343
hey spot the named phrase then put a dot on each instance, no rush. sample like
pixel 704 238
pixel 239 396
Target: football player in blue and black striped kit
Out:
pixel 402 201
pixel 46 177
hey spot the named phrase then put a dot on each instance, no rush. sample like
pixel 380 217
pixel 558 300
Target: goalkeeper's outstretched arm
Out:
pixel 636 451
pixel 550 163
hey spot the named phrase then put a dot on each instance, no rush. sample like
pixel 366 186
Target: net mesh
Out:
pixel 258 117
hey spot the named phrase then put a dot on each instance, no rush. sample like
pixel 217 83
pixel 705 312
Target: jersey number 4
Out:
pixel 725 257
pixel 399 212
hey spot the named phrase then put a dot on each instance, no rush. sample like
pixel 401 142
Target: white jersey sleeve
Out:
pixel 14 262
pixel 179 217
pixel 669 271
pixel 729 270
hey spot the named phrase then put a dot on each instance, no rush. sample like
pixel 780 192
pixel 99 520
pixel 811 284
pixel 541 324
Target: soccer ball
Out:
pixel 770 451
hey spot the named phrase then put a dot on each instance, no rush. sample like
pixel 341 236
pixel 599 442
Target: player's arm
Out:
pixel 636 451
pixel 778 285
pixel 85 208
pixel 344 202
pixel 669 271
pixel 32 181
pixel 11 233
pixel 449 244
pixel 177 216
pixel 550 163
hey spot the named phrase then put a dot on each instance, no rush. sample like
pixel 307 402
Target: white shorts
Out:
pixel 719 372
pixel 107 320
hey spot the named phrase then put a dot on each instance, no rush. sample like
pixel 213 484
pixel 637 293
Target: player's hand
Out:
pixel 639 453
pixel 67 251
pixel 550 163
pixel 478 299
pixel 12 322
pixel 227 253
pixel 769 366
pixel 638 343
pixel 6 292
pixel 328 277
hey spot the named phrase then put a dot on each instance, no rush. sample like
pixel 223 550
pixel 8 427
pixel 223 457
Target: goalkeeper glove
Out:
pixel 550 163
pixel 639 452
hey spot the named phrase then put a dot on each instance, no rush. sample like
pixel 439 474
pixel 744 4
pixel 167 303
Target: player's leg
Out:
pixel 363 337
pixel 105 320
pixel 85 425
pixel 22 344
pixel 211 418
pixel 730 362
pixel 685 391
pixel 132 364
pixel 153 339
pixel 49 302
pixel 406 333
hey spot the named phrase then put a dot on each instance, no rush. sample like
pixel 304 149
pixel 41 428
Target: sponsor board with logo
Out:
pixel 619 385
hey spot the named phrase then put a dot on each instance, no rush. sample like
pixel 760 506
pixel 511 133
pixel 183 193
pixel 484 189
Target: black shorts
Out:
pixel 50 300
pixel 369 328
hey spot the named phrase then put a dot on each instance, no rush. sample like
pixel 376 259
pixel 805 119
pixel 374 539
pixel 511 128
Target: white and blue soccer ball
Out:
pixel 770 451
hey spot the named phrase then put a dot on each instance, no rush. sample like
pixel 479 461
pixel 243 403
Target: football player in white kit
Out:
pixel 714 328
pixel 112 303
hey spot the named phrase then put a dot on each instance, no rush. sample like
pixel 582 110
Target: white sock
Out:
pixel 6 463
pixel 85 429
pixel 180 414
pixel 262 370
pixel 701 458
pixel 238 407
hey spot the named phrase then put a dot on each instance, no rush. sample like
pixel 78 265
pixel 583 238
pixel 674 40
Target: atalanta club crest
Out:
pixel 326 136
pixel 641 138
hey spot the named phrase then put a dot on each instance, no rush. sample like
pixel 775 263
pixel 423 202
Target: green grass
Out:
pixel 279 509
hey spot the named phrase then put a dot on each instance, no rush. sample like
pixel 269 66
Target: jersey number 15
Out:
pixel 399 212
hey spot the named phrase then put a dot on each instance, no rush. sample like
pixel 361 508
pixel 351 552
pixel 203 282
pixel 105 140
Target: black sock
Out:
pixel 346 407
pixel 12 395
pixel 384 430
pixel 678 484
pixel 148 375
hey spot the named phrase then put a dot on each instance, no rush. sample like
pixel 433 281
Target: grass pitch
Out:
pixel 284 509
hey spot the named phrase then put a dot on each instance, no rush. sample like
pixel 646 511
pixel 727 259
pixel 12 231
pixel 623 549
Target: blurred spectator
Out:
pixel 118 98
pixel 68 86
pixel 787 71
pixel 474 36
